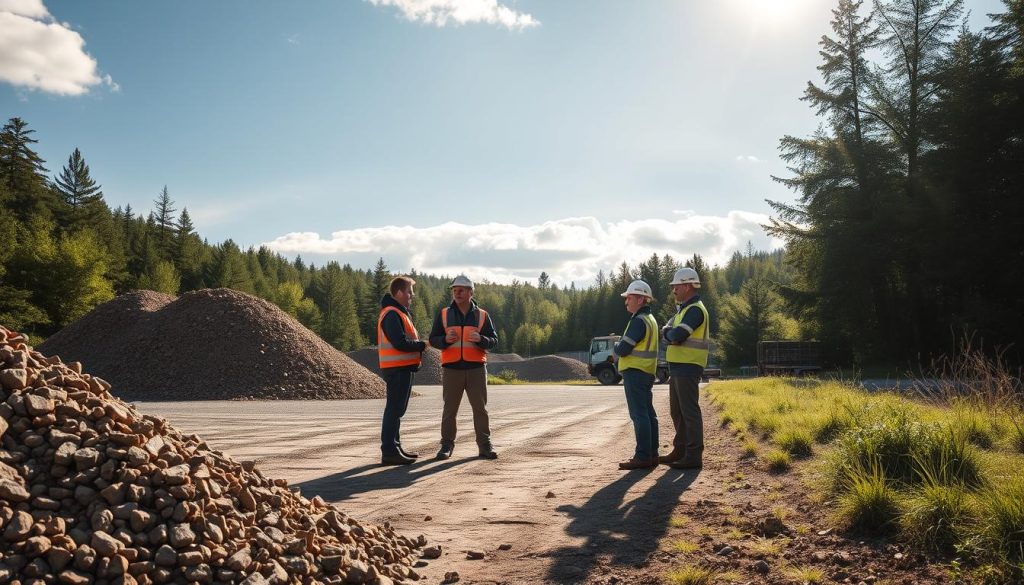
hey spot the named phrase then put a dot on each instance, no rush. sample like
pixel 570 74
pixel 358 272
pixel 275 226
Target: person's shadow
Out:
pixel 625 531
pixel 345 484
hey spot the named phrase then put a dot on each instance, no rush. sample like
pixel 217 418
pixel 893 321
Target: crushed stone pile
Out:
pixel 211 344
pixel 546 368
pixel 93 491
pixel 430 368
pixel 499 358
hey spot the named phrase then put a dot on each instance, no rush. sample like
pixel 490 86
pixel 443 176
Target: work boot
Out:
pixel 638 463
pixel 409 454
pixel 396 459
pixel 445 452
pixel 487 452
pixel 686 463
pixel 671 457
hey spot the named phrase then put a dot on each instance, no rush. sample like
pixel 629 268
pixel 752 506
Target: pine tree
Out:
pixel 22 172
pixel 165 224
pixel 82 197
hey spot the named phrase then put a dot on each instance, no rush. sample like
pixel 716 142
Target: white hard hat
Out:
pixel 461 280
pixel 638 287
pixel 686 275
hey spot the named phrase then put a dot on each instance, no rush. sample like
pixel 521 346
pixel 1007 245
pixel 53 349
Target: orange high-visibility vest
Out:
pixel 462 349
pixel 388 356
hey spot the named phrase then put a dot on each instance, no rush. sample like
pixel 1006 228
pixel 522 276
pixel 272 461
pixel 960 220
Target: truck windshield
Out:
pixel 599 345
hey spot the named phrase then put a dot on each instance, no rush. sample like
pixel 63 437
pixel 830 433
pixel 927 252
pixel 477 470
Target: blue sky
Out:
pixel 497 138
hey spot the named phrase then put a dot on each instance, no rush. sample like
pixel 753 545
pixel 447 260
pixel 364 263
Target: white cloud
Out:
pixel 747 158
pixel 441 12
pixel 571 249
pixel 39 53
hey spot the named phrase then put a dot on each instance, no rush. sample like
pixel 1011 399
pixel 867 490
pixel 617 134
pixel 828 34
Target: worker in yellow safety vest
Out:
pixel 637 351
pixel 687 336
pixel 399 352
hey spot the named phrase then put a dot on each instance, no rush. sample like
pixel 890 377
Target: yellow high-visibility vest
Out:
pixel 644 356
pixel 696 347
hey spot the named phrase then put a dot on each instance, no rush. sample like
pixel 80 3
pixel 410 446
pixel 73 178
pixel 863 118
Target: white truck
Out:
pixel 603 364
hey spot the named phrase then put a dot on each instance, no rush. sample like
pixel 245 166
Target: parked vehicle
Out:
pixel 788 358
pixel 604 366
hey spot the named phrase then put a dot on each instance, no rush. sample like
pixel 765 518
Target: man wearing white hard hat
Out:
pixel 464 332
pixel 687 356
pixel 638 361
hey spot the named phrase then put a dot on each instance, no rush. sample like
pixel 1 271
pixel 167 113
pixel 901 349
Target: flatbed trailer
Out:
pixel 788 358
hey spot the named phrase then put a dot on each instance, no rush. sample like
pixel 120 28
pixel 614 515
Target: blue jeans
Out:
pixel 399 388
pixel 640 401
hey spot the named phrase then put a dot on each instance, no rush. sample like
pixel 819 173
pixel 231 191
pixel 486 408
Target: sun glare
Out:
pixel 775 13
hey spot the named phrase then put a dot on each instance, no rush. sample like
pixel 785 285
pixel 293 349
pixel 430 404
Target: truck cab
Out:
pixel 603 364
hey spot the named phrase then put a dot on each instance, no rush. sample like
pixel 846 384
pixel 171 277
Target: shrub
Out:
pixel 508 376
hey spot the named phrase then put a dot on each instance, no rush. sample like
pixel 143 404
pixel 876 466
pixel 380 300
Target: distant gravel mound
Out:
pixel 211 344
pixel 430 369
pixel 547 368
pixel 500 358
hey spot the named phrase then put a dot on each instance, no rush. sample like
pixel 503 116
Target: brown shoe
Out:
pixel 671 457
pixel 685 463
pixel 636 464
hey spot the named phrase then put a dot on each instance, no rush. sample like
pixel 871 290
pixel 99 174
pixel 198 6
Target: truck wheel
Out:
pixel 662 376
pixel 608 376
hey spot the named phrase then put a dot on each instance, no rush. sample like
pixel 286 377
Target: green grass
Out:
pixel 941 474
pixel 778 461
pixel 691 576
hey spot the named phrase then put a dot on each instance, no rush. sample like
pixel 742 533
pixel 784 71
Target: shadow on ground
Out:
pixel 622 533
pixel 345 484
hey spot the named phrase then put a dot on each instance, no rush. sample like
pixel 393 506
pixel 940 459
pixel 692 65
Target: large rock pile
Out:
pixel 92 491
pixel 212 344
pixel 545 368
pixel 430 369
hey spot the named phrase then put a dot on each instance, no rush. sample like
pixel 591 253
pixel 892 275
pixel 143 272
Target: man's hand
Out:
pixel 452 336
pixel 473 336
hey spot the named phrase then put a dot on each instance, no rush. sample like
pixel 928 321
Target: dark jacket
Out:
pixel 395 331
pixel 488 336
pixel 635 331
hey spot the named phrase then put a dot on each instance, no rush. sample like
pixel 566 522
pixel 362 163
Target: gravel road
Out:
pixel 565 440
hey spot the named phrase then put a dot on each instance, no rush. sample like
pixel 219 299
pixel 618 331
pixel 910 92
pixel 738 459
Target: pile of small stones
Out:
pixel 92 491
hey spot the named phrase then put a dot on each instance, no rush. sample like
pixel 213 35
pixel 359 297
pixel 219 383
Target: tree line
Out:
pixel 66 251
pixel 907 233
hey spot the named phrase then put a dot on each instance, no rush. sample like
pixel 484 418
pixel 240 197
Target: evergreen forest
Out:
pixel 906 234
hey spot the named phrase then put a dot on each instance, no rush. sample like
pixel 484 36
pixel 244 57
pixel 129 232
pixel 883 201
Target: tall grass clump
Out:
pixel 828 428
pixel 936 517
pixel 797 442
pixel 691 576
pixel 1003 520
pixel 904 449
pixel 868 504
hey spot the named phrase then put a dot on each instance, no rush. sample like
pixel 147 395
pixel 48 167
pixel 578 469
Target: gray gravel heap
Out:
pixel 430 368
pixel 92 491
pixel 211 344
pixel 545 368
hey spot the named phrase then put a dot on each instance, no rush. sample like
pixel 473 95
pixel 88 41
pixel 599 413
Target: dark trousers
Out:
pixel 639 387
pixel 399 385
pixel 474 384
pixel 686 416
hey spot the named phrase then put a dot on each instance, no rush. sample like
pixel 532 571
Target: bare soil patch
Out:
pixel 212 344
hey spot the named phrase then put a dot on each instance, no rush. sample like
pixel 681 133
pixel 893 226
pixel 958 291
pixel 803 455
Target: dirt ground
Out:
pixel 554 508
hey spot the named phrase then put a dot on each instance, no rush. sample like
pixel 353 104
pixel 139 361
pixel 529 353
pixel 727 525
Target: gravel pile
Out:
pixel 430 368
pixel 548 368
pixel 500 358
pixel 212 344
pixel 92 491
